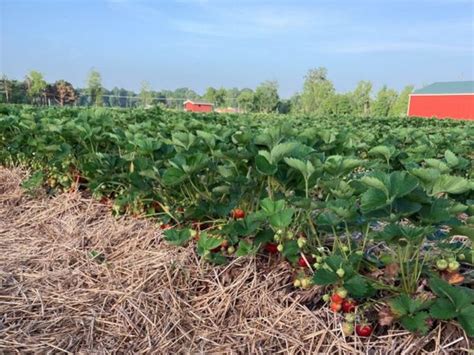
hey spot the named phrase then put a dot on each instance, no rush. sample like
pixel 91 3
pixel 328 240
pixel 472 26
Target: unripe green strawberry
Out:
pixel 280 247
pixel 317 266
pixel 342 292
pixel 441 264
pixel 301 242
pixel 326 298
pixel 290 235
pixel 350 317
pixel 305 283
pixel 347 328
pixel 453 266
pixel 340 272
pixel 277 238
pixel 279 231
pixel 297 283
pixel 231 250
pixel 462 257
pixel 319 259
pixel 345 249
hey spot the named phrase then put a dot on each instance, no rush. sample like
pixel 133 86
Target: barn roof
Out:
pixel 198 102
pixel 450 87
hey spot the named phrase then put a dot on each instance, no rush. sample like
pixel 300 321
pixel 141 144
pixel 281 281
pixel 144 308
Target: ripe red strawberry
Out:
pixel 238 213
pixel 335 307
pixel 349 305
pixel 303 263
pixel 335 298
pixel 364 330
pixel 271 248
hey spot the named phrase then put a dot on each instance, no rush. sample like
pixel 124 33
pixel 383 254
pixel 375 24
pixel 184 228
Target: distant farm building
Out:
pixel 444 100
pixel 197 106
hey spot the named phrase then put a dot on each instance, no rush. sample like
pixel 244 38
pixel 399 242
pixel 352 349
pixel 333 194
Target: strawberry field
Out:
pixel 374 215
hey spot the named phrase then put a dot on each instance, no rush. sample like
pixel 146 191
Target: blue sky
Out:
pixel 239 43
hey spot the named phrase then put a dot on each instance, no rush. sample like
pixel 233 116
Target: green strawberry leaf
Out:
pixel 451 185
pixel 325 277
pixel 415 323
pixel 443 309
pixel 177 237
pixel 291 251
pixel 245 248
pixel 372 200
pixel 282 219
pixel 466 319
pixel 357 286
pixel 173 176
pixel 264 167
pixel 207 242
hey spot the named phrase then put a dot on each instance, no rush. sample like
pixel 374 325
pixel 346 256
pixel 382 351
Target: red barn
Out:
pixel 197 106
pixel 444 100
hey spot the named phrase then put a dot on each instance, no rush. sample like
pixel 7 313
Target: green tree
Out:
pixel 210 94
pixel 36 85
pixel 231 97
pixel 5 88
pixel 384 102
pixel 296 104
pixel 317 89
pixel 400 107
pixel 361 98
pixel 284 106
pixel 338 105
pixel 184 93
pixel 246 100
pixel 221 97
pixel 266 96
pixel 94 87
pixel 145 94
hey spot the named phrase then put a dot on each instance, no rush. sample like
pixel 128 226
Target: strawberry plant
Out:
pixel 453 303
pixel 364 208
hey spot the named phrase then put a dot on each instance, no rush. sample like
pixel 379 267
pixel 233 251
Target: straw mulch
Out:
pixel 142 296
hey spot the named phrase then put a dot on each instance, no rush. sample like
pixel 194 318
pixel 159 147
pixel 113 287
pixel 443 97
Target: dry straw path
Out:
pixel 150 298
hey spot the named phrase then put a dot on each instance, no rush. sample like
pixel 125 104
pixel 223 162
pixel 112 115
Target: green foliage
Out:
pixel 266 97
pixel 317 93
pixel 356 285
pixel 145 94
pixel 326 188
pixel 384 102
pixel 453 303
pixel 400 106
pixel 35 83
pixel 411 313
pixel 94 87
pixel 33 182
pixel 177 237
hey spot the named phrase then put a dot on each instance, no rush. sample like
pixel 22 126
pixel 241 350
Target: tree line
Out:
pixel 318 96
